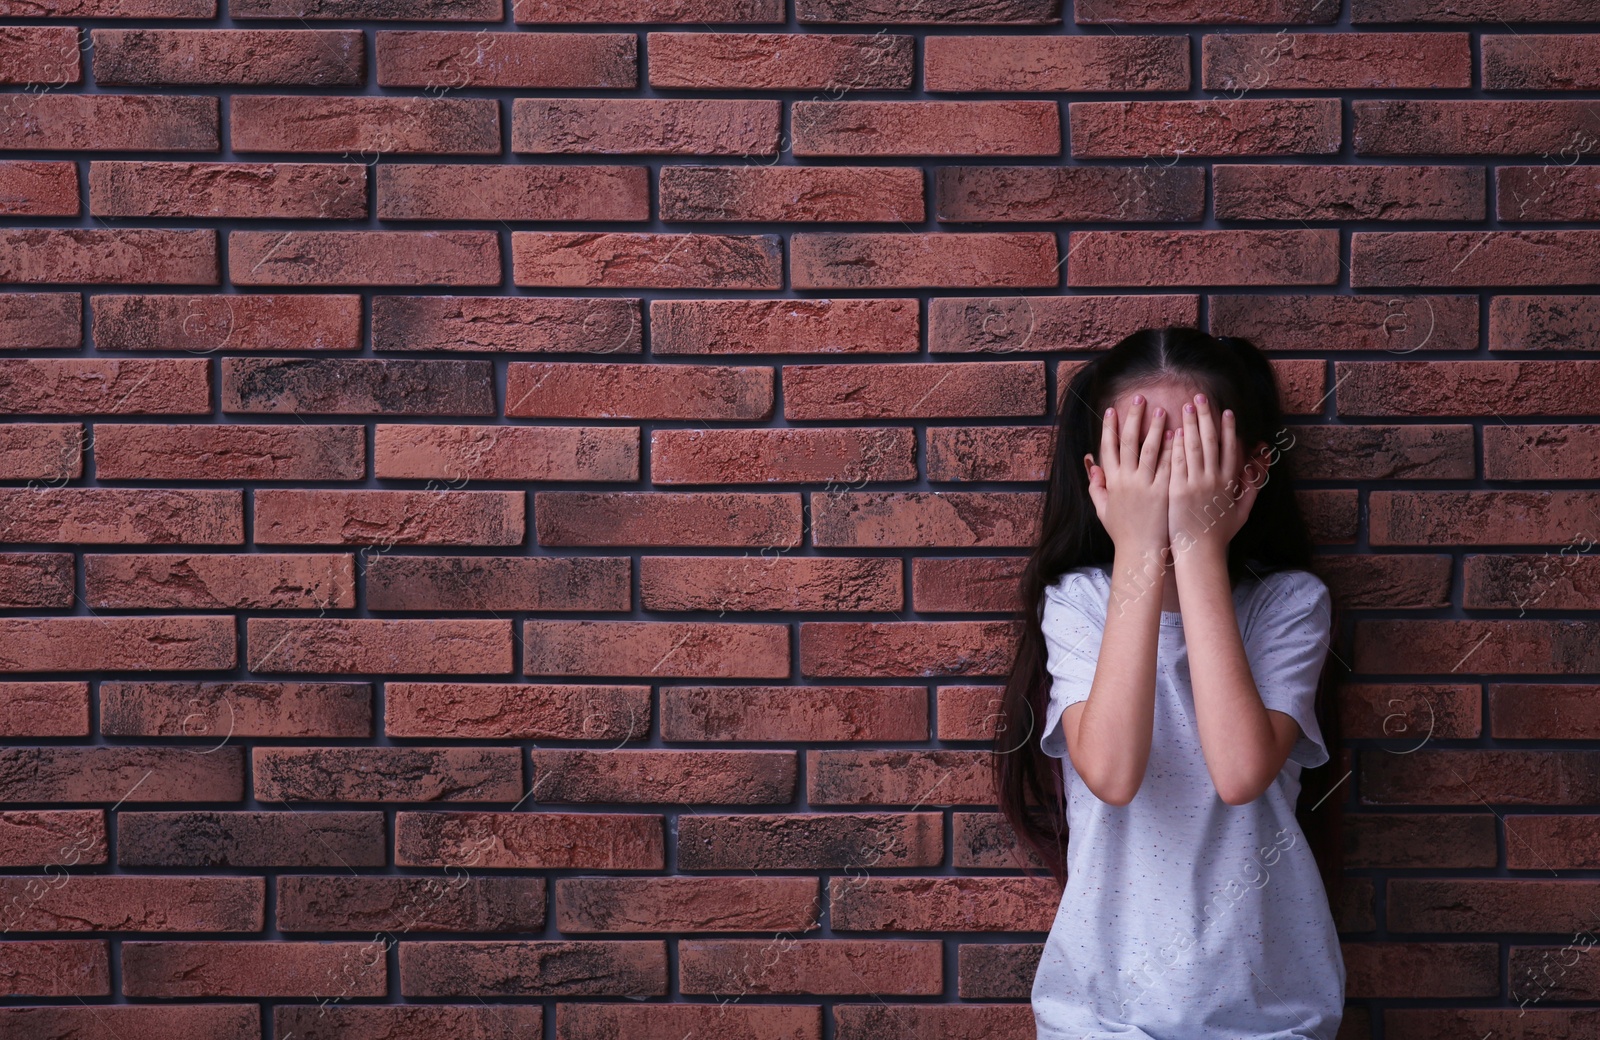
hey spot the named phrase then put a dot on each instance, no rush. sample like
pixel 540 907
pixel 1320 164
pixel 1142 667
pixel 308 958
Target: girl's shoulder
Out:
pixel 1288 591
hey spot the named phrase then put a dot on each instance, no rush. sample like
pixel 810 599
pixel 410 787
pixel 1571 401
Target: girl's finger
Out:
pixel 1193 459
pixel 1208 435
pixel 1164 466
pixel 1149 455
pixel 1108 438
pixel 1230 444
pixel 1130 433
pixel 1180 461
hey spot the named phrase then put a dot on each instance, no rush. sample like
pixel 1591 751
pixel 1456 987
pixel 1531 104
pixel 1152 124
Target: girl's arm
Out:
pixel 1108 735
pixel 1245 744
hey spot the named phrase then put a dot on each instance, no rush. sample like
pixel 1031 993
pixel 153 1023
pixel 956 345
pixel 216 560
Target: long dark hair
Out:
pixel 1233 374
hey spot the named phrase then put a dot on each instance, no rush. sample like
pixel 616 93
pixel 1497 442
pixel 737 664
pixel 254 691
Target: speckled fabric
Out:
pixel 1185 918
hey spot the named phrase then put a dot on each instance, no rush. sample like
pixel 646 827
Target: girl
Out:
pixel 1173 666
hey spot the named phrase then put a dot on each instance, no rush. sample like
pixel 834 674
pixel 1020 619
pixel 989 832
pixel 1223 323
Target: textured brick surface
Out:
pixel 509 511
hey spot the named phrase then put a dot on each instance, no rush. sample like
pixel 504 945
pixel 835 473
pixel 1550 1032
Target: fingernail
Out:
pixel 1189 408
pixel 1138 398
pixel 1200 397
pixel 1159 412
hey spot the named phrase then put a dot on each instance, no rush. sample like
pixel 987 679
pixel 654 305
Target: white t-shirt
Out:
pixel 1184 917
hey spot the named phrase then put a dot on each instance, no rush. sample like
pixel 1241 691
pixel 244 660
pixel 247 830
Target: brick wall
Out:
pixel 509 510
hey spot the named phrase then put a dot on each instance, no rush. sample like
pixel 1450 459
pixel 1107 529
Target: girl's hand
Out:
pixel 1129 484
pixel 1209 498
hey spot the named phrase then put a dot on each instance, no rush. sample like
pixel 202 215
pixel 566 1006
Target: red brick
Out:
pixel 444 61
pixel 122 516
pixel 372 10
pixel 970 324
pixel 698 12
pixel 134 1021
pixel 1500 646
pixel 960 453
pixel 676 777
pixel 54 968
pixel 291 516
pixel 1218 127
pixel 1244 191
pixel 846 326
pixel 457 646
pixel 352 903
pixel 225 189
pixel 1548 581
pixel 784 714
pixel 1289 256
pixel 35 579
pixel 407 1022
pixel 89 644
pixel 301 838
pixel 645 126
pixel 1481 258
pixel 1412 714
pixel 780 61
pixel 1557 711
pixel 914 390
pixel 479 191
pixel 52 838
pixel 1541 451
pixel 212 711
pixel 38 188
pixel 1376 11
pixel 42 451
pixel 1391 581
pixel 364 258
pixel 911 260
pixel 1506 388
pixel 1549 192
pixel 687 583
pixel 948 904
pixel 1478 517
pixel 966 583
pixel 826 967
pixel 234 322
pixel 102 256
pixel 1243 62
pixel 357 386
pixel 138 451
pixel 1055 63
pixel 973 713
pixel 1537 842
pixel 99 386
pixel 592 390
pixel 530 841
pixel 387 774
pixel 1467 127
pixel 1379 452
pixel 534 968
pixel 1070 193
pixel 810 841
pixel 1346 321
pixel 507 324
pixel 1393 968
pixel 134 903
pixel 40 56
pixel 934 128
pixel 497 583
pixel 787 456
pixel 597 260
pixel 243 57
pixel 1540 61
pixel 119 775
pixel 916 778
pixel 850 649
pixel 1542 322
pixel 1427 839
pixel 368 125
pixel 517 711
pixel 1206 12
pixel 109 8
pixel 112 122
pixel 44 709
pixel 682 904
pixel 40 320
pixel 921 12
pixel 254 969
pixel 791 193
pixel 656 649
pixel 680 518
pixel 416 451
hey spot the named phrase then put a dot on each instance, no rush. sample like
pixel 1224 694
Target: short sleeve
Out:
pixel 1286 643
pixel 1073 619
